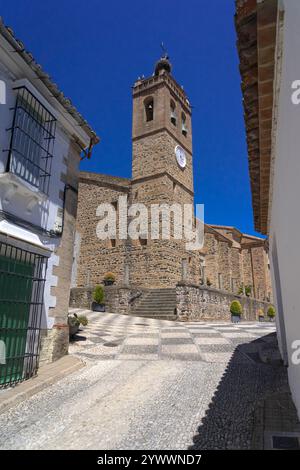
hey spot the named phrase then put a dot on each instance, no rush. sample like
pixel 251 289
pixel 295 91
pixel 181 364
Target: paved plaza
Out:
pixel 151 384
pixel 111 336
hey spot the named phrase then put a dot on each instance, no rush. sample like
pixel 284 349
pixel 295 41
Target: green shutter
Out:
pixel 15 298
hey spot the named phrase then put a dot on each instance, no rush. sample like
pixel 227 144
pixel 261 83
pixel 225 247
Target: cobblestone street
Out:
pixel 150 384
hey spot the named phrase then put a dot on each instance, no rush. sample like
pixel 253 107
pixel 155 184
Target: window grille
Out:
pixel 32 141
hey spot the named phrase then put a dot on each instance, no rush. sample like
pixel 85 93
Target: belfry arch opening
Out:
pixel 184 128
pixel 173 116
pixel 149 108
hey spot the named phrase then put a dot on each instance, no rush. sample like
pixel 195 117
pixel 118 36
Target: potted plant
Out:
pixel 245 290
pixel 98 295
pixel 74 322
pixel 236 311
pixel 271 313
pixel 109 279
pixel 261 315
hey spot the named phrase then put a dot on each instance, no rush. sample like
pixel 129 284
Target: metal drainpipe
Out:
pixel 71 188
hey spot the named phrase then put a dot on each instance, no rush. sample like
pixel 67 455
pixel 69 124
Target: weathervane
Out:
pixel 165 52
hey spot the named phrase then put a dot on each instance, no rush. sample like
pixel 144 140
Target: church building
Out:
pixel 162 173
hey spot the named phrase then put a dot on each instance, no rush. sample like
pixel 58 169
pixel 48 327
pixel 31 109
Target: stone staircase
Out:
pixel 157 303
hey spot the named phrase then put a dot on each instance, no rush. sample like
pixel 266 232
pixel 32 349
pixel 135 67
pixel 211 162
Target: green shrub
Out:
pixel 98 294
pixel 245 289
pixel 261 313
pixel 110 277
pixel 83 320
pixel 271 312
pixel 236 308
pixel 76 320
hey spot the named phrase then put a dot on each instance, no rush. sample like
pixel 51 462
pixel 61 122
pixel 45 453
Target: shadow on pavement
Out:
pixel 229 420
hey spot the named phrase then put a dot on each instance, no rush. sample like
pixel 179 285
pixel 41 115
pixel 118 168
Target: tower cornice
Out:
pixel 144 86
pixel 143 179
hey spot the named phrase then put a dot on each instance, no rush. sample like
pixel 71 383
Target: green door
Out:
pixel 15 299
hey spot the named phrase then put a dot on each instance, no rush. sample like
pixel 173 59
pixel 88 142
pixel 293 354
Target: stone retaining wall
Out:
pixel 81 297
pixel 205 303
pixel 118 299
pixel 192 302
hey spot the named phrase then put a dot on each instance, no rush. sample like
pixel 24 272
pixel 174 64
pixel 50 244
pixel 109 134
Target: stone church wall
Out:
pixel 259 274
pixel 235 261
pixel 155 264
pixel 97 256
pixel 229 266
pixel 158 263
pixel 209 304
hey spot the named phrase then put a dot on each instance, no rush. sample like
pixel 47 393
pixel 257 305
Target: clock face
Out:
pixel 180 156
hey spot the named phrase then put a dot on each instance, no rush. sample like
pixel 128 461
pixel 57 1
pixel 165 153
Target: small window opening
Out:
pixel 184 128
pixel 220 281
pixel 143 241
pixel 173 115
pixel 149 109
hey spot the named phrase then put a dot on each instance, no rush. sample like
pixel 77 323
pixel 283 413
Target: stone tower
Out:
pixel 162 136
pixel 162 170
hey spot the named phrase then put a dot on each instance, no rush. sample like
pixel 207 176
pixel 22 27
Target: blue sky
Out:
pixel 95 50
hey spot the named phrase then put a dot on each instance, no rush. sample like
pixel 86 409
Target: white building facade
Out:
pixel 272 29
pixel 284 220
pixel 42 138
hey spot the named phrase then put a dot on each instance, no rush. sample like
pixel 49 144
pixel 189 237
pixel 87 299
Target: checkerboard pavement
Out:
pixel 151 384
pixel 121 337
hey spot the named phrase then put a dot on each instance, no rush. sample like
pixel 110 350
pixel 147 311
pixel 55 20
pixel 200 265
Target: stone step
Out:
pixel 169 308
pixel 162 289
pixel 158 304
pixel 160 296
pixel 154 314
pixel 151 311
pixel 156 317
pixel 162 292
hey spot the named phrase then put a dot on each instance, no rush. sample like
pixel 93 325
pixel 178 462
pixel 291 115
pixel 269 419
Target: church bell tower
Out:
pixel 162 138
pixel 162 175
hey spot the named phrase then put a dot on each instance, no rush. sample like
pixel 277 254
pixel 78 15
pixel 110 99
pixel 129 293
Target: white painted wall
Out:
pixel 44 213
pixel 285 209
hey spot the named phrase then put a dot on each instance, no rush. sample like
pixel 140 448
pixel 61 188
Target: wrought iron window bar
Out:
pixel 32 140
